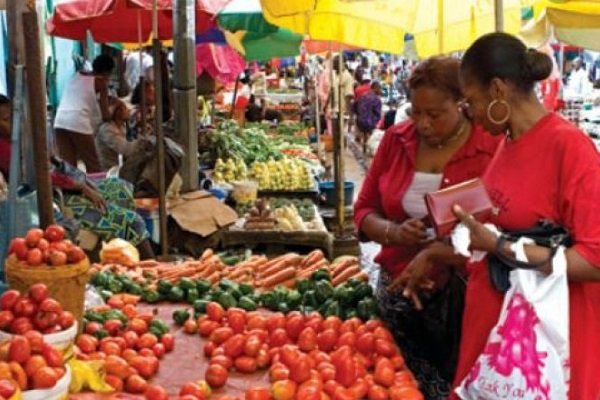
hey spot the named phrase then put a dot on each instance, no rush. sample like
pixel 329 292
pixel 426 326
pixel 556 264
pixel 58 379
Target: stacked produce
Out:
pixel 287 174
pixel 305 355
pixel 260 216
pixel 230 171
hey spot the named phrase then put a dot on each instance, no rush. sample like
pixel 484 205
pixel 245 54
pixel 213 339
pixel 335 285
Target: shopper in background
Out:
pixel 579 84
pixel 367 110
pixel 5 134
pixel 111 140
pixel 438 147
pixel 135 119
pixel 83 106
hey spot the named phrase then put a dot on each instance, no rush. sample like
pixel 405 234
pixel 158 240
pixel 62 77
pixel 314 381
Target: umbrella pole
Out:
pixel 499 15
pixel 339 149
pixel 317 113
pixel 235 90
pixel 440 23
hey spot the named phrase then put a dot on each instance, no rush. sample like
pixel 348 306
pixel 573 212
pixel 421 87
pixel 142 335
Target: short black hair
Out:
pixel 136 96
pixel 500 55
pixel 103 64
pixel 4 100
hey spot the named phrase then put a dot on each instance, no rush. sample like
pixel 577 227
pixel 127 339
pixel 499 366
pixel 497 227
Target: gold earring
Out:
pixel 489 112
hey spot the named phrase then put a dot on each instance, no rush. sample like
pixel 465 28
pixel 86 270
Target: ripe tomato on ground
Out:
pixel 215 375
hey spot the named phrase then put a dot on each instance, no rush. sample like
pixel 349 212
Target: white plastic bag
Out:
pixel 527 352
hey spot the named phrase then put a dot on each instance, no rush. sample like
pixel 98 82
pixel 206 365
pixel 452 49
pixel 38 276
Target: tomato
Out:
pixel 236 319
pixel 75 255
pixel 168 341
pixel 365 343
pixel 215 311
pixel 38 292
pixel 359 389
pixel 36 341
pixel 405 393
pixel 263 359
pixel 18 247
pixel 223 360
pixel 7 388
pixel 66 320
pixel 117 366
pixel 193 389
pixel 131 338
pixel 113 326
pixel 284 389
pixel 159 350
pixel 155 392
pixel 300 369
pixel 315 322
pixel 256 322
pixel 115 302
pixel 320 357
pixel 347 339
pixel 262 335
pixel 276 321
pixel 234 346
pixel 385 348
pixel 384 372
pixel 327 373
pixel 398 362
pixel 115 382
pixel 245 364
pixel 215 375
pixel 293 326
pixel 377 392
pixel 46 321
pixel 327 340
pixel 190 327
pixel 257 394
pixel 205 328
pixel 110 348
pixel 220 335
pixel 382 333
pixel 9 299
pixel 345 371
pixel 278 372
pixel 130 311
pixel 93 327
pixel 147 341
pixel 33 236
pixel 278 337
pixel 209 349
pixel 6 318
pixel 332 322
pixel 19 350
pixel 21 325
pixel 307 341
pixel 25 307
pixel 35 257
pixel 53 356
pixel 50 305
pixel 252 346
pixel 136 384
pixel 308 393
pixel 54 233
pixel 34 363
pixel 44 378
pixel 128 354
pixel 138 325
pixel 289 354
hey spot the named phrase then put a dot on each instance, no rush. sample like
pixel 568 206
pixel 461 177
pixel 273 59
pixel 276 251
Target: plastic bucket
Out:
pixel 328 190
pixel 245 192
pixel 66 284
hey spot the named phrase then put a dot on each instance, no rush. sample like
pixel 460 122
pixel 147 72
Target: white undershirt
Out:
pixel 413 201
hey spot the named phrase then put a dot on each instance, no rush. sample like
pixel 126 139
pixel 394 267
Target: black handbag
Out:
pixel 545 233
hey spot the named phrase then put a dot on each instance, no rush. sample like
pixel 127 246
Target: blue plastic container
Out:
pixel 328 190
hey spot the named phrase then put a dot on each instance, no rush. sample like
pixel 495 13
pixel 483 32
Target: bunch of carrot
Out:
pixel 345 268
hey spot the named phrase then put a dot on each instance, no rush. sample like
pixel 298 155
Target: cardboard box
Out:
pixel 201 213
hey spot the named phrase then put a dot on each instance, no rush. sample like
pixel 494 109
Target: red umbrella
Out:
pixel 122 20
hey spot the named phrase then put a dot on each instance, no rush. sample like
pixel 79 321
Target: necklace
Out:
pixel 455 136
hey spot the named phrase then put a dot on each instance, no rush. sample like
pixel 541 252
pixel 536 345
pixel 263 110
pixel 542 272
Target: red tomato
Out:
pixel 327 339
pixel 144 365
pixel 21 325
pixel 50 305
pixel 307 341
pixel 405 393
pixel 345 371
pixel 53 356
pixel 263 335
pixel 19 349
pixel 75 255
pixel 327 373
pixel 377 392
pixel 136 384
pixel 35 257
pixel 284 389
pixel 220 335
pixel 159 350
pixel 205 328
pixel 190 327
pixel 263 359
pixel 385 348
pixel 289 354
pixel 36 341
pixel 25 307
pixel 66 319
pixel 308 393
pixel 38 292
pixel 294 326
pixel 193 389
pixel 128 354
pixel 398 362
pixel 372 324
pixel 138 325
pixel 382 333
pixel 245 364
pixel 278 337
pixel 252 346
pixel 155 392
pixel 115 382
pixel 275 321
pixel 147 341
pixel 43 245
pixel 7 388
pixel 222 360
pixel 236 319
pixel 209 349
pixel 113 326
pixel 34 363
pixel 111 348
pixel 131 338
pixel 215 311
pixel 18 247
pixel 366 343
pixel 6 318
pixel 215 375
pixel 384 372
pixel 332 322
pixel 359 389
pixel 347 339
pixel 343 394
pixel 44 378
pixel 331 386
pixel 33 237
pixel 300 369
pixel 129 310
pixel 45 321
pixel 54 233
pixel 9 299
pixel 257 394
pixel 315 322
pixel 168 341
pixel 234 346
pixel 256 322
pixel 57 258
pixel 93 327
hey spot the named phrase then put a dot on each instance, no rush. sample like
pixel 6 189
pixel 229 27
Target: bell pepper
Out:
pixel 309 299
pixel 236 293
pixel 247 304
pixel 323 290
pixel 99 279
pixel 186 284
pixel 135 289
pixel 227 284
pixel 293 299
pixel 200 306
pixel 363 291
pixel 303 285
pixel 333 309
pixel 268 300
pixel 180 316
pixel 158 327
pixel 164 287
pixel 150 296
pixel 321 274
pixel 115 286
pixel 100 334
pixel 176 295
pixel 283 307
pixel 226 300
pixel 203 286
pixel 246 288
pixel 192 295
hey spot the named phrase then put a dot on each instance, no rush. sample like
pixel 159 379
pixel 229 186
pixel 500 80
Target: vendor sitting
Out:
pixel 256 113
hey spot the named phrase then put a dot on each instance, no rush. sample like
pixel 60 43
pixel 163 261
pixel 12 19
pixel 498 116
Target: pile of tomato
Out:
pixel 21 313
pixel 43 248
pixel 27 363
pixel 308 357
pixel 131 353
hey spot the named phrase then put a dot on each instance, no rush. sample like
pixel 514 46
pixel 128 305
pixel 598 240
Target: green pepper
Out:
pixel 192 295
pixel 226 284
pixel 333 309
pixel 231 260
pixel 160 326
pixel 115 286
pixel 310 299
pixel 200 306
pixel 203 286
pixel 353 282
pixel 226 300
pixel 349 299
pixel 247 304
pixel 321 274
pixel 164 287
pixel 363 291
pixel 293 299
pixel 150 296
pixel 323 290
pixel 186 284
pixel 236 293
pixel 99 279
pixel 283 307
pixel 93 316
pixel 176 295
pixel 246 288
pixel 180 316
pixel 268 300
pixel 116 314
pixel 136 289
pixel 372 308
pixel 324 306
pixel 255 297
pixel 100 334
pixel 340 292
pixel 280 293
pixel 303 285
pixel 363 310
pixel 106 294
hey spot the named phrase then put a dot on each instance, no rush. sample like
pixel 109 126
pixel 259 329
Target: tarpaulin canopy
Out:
pixel 122 20
pixel 223 63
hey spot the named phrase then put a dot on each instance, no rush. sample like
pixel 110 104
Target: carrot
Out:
pixel 311 258
pixel 345 275
pixel 289 283
pixel 214 278
pixel 281 265
pixel 338 268
pixel 208 253
pixel 307 272
pixel 279 276
pixel 361 276
pixel 275 260
pixel 207 271
pixel 148 264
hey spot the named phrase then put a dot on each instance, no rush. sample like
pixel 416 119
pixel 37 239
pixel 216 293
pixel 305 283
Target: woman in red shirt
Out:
pixel 439 147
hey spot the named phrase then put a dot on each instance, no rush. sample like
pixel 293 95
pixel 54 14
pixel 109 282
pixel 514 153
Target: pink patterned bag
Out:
pixel 527 352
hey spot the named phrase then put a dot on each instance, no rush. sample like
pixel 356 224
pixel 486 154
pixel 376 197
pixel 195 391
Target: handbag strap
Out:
pixel 514 264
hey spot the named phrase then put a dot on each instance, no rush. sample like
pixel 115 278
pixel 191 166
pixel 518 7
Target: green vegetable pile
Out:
pixel 108 284
pixel 157 326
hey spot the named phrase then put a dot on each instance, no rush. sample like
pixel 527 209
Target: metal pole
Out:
pixel 317 112
pixel 339 149
pixel 184 90
pixel 36 88
pixel 142 78
pixel 235 90
pixel 440 28
pixel 499 15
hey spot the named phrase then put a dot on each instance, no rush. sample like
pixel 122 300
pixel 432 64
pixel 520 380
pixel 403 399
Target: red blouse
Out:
pixel 552 172
pixel 392 172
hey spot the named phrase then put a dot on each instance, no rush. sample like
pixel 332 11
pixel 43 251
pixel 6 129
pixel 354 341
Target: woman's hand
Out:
pixel 411 232
pixel 96 198
pixel 481 237
pixel 414 278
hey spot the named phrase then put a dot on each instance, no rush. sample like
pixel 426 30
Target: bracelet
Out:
pixel 386 239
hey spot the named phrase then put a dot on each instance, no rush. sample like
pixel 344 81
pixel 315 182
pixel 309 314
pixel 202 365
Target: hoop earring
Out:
pixel 489 112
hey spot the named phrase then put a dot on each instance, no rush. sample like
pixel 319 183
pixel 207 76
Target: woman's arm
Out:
pixel 115 140
pixel 411 232
pixel 101 86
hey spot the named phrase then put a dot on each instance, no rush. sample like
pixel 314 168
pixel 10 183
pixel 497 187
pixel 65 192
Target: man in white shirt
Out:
pixel 579 84
pixel 133 70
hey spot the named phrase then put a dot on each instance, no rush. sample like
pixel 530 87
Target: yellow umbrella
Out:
pixel 381 24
